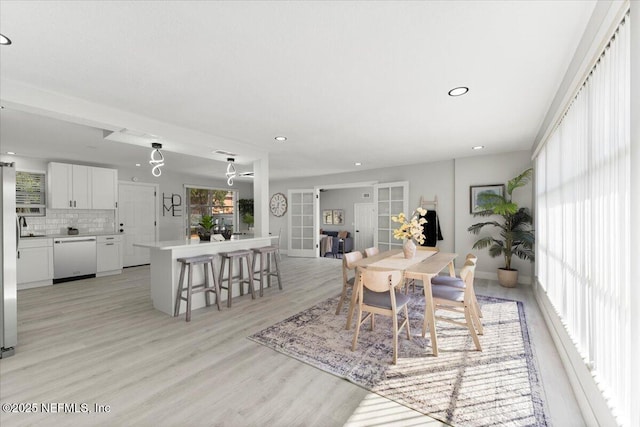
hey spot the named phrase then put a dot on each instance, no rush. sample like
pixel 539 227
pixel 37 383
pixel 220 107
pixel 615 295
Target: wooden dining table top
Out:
pixel 413 268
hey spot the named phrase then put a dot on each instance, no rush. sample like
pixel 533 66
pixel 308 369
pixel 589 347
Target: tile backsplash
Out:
pixel 57 221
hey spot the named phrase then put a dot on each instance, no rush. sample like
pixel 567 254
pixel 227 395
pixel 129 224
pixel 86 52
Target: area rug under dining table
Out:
pixel 461 386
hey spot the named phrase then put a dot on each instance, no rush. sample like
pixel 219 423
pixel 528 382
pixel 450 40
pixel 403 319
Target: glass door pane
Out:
pixel 390 199
pixel 301 226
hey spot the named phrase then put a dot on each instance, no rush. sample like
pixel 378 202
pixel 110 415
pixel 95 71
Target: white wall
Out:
pixel 173 227
pixel 487 170
pixel 450 181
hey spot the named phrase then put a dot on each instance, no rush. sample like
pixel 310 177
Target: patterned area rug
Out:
pixel 461 387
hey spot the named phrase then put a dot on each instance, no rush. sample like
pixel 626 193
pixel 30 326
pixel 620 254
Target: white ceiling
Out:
pixel 344 81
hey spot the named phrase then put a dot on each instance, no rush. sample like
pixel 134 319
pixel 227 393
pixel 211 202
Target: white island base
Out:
pixel 165 269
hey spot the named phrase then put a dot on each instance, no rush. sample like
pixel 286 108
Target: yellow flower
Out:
pixel 410 229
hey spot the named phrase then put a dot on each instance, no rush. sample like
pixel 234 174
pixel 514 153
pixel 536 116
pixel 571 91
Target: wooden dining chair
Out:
pixel 378 294
pixel 457 282
pixel 347 282
pixel 459 300
pixel 371 251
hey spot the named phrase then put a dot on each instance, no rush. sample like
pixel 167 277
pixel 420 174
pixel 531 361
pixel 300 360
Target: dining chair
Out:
pixel 459 300
pixel 378 294
pixel 412 282
pixel 456 282
pixel 347 282
pixel 371 251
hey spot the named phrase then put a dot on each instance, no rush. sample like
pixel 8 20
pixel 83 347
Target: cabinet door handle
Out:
pixel 109 244
pixel 70 204
pixel 18 254
pixel 74 203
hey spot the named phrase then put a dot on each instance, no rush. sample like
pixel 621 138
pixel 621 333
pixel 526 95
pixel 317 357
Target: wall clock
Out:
pixel 278 204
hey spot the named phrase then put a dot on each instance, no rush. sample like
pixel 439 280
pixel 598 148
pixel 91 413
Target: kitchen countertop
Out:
pixel 184 243
pixel 57 236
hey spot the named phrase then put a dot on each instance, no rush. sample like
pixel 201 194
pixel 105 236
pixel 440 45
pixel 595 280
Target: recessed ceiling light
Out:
pixel 458 91
pixel 281 138
pixel 4 40
pixel 358 164
pixel 137 164
pixel 478 147
pixel 11 153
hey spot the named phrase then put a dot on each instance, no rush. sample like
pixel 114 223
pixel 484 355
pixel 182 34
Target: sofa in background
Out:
pixel 340 243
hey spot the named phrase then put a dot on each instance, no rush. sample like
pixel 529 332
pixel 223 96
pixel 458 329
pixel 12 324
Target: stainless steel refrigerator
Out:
pixel 8 255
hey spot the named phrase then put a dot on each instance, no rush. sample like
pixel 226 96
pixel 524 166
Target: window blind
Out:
pixel 582 222
pixel 30 189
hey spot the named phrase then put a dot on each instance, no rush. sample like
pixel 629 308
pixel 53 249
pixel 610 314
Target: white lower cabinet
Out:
pixel 35 263
pixel 109 255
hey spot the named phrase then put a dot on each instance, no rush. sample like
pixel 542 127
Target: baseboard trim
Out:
pixel 522 280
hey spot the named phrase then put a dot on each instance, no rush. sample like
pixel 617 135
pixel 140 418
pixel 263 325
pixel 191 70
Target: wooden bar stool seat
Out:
pixel 187 263
pixel 266 254
pixel 231 257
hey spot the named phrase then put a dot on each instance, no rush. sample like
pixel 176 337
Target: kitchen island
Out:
pixel 165 269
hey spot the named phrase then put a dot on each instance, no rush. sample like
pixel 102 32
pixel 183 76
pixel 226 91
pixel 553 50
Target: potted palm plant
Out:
pixel 206 225
pixel 515 233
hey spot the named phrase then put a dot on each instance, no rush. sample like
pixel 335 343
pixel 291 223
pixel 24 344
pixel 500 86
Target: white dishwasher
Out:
pixel 74 258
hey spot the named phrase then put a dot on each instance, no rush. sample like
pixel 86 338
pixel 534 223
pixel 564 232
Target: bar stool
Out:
pixel 240 255
pixel 188 262
pixel 266 253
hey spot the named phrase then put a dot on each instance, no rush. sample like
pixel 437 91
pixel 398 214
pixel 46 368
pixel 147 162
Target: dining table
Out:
pixel 423 266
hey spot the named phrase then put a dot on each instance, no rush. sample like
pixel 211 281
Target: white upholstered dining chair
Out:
pixel 378 293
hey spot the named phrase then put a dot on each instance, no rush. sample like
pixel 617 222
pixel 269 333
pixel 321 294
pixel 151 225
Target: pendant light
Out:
pixel 231 171
pixel 157 159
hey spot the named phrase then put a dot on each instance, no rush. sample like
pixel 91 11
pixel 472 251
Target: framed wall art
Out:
pixel 327 217
pixel 338 217
pixel 476 190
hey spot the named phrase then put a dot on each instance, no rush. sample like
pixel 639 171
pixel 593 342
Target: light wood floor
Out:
pixel 99 341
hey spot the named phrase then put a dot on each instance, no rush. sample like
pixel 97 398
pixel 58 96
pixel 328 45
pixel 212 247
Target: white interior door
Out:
pixel 390 199
pixel 364 225
pixel 137 219
pixel 301 224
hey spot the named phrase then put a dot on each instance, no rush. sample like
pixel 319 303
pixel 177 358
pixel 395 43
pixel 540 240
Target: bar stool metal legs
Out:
pixel 266 253
pixel 240 255
pixel 187 263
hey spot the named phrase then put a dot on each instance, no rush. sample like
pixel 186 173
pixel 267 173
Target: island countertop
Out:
pixel 185 243
pixel 165 268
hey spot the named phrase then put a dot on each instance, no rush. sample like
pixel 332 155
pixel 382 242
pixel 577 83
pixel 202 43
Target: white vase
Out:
pixel 409 248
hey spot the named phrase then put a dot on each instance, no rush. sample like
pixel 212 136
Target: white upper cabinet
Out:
pixel 104 188
pixel 81 187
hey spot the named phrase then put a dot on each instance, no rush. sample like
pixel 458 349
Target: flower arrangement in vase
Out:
pixel 410 230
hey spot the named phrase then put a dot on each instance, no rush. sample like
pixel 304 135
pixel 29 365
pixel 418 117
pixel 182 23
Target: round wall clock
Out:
pixel 278 204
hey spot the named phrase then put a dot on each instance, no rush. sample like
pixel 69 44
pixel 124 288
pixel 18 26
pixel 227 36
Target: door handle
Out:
pixel 121 230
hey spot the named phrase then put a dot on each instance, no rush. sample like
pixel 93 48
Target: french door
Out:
pixel 390 199
pixel 301 225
